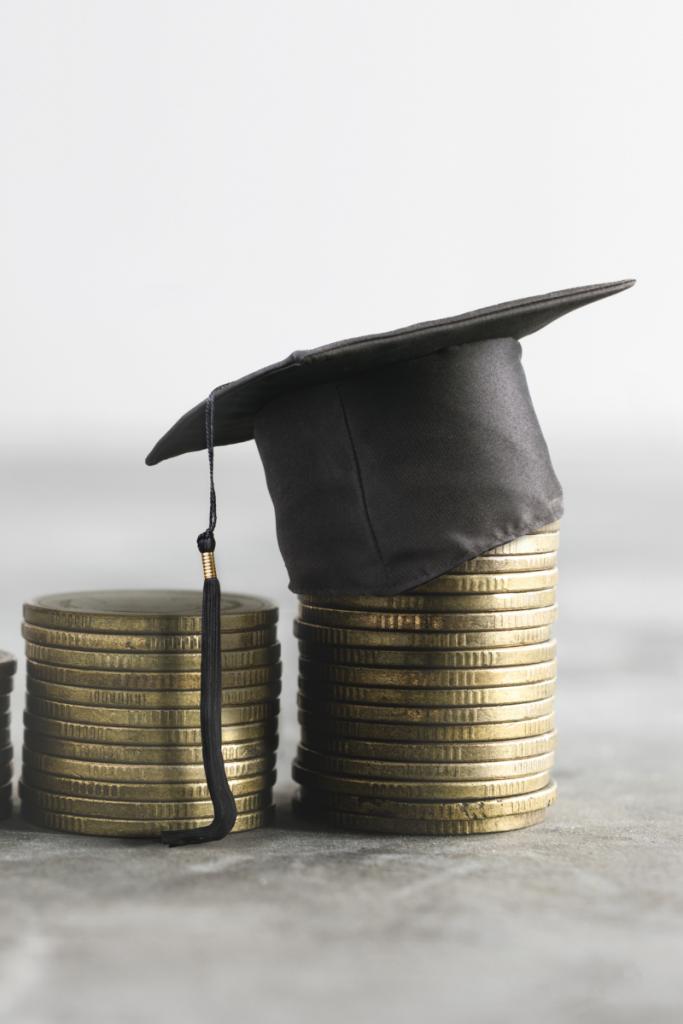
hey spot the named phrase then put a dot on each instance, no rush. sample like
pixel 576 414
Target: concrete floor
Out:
pixel 579 919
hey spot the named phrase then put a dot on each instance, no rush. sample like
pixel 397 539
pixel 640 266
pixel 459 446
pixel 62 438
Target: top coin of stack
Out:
pixel 432 711
pixel 113 738
pixel 8 667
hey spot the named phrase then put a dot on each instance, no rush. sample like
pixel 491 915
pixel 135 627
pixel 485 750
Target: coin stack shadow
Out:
pixel 432 712
pixel 112 741
pixel 8 667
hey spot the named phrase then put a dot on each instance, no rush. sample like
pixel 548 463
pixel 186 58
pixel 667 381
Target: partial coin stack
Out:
pixel 432 712
pixel 113 739
pixel 8 667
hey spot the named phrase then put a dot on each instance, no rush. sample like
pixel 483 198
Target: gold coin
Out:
pixel 550 528
pixel 143 774
pixel 6 685
pixel 437 699
pixel 5 720
pixel 8 665
pixel 132 755
pixel 88 733
pixel 6 774
pixel 495 574
pixel 5 737
pixel 439 622
pixel 404 826
pixel 429 603
pixel 145 719
pixel 145 810
pixel 6 791
pixel 423 810
pixel 170 662
pixel 426 715
pixel 330 727
pixel 6 754
pixel 531 544
pixel 143 681
pixel 134 829
pixel 383 789
pixel 412 678
pixel 188 643
pixel 5 702
pixel 143 700
pixel 145 611
pixel 421 641
pixel 449 752
pixel 385 657
pixel 93 789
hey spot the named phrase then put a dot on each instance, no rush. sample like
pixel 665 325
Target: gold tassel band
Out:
pixel 208 565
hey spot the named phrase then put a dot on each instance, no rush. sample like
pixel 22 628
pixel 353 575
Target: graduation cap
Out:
pixel 390 458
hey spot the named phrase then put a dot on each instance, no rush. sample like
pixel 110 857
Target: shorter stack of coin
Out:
pixel 113 742
pixel 431 712
pixel 8 667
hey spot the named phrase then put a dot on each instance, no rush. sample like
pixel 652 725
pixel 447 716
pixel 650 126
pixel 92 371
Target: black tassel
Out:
pixel 211 700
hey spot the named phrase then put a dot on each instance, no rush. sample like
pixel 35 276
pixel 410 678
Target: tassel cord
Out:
pixel 211 699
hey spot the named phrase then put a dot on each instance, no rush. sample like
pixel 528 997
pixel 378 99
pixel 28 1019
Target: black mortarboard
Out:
pixel 395 457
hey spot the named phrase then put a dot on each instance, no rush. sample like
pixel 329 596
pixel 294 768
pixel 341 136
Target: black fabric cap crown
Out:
pixel 393 458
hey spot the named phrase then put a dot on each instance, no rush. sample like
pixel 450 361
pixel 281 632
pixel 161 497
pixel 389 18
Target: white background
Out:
pixel 190 190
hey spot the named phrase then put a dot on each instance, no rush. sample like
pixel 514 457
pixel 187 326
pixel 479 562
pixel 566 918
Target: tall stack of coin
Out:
pixel 432 712
pixel 8 667
pixel 113 740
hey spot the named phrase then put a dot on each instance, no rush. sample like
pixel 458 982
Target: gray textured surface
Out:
pixel 578 919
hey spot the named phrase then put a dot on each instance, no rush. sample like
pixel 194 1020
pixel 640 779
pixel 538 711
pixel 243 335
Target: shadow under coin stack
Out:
pixel 8 667
pixel 432 712
pixel 113 740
